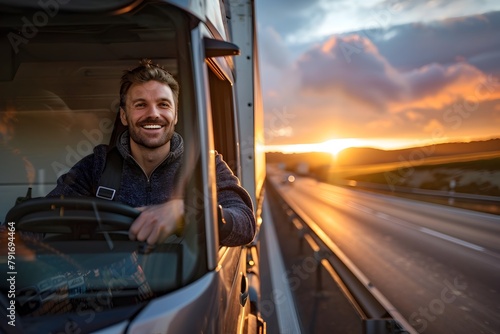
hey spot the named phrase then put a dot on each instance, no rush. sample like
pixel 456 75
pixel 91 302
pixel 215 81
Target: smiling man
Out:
pixel 151 152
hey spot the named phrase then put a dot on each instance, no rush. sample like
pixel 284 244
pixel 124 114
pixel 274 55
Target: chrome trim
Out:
pixel 206 145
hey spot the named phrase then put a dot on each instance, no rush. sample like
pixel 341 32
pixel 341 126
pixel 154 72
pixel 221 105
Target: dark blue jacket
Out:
pixel 136 189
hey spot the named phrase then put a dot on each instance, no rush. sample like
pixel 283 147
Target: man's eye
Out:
pixel 139 105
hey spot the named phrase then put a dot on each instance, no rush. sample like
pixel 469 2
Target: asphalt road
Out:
pixel 439 266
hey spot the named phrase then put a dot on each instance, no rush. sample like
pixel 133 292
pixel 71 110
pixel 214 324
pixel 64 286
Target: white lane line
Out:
pixel 452 239
pixel 424 230
pixel 359 207
pixel 409 225
pixel 383 215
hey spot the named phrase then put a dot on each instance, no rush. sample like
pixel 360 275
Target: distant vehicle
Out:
pixel 72 267
pixel 288 179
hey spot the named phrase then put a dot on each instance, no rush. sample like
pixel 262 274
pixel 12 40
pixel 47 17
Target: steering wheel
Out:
pixel 80 215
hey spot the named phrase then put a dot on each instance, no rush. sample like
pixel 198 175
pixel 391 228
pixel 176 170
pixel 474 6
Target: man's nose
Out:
pixel 154 111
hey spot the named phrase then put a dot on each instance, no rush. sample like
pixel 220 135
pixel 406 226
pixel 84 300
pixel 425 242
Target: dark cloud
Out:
pixel 435 79
pixel 415 45
pixel 488 62
pixel 350 65
pixel 289 17
pixel 273 50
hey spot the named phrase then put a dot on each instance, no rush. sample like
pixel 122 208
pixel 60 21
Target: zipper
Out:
pixel 148 179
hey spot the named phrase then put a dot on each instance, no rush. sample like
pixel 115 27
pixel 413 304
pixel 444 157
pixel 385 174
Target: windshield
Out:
pixel 59 98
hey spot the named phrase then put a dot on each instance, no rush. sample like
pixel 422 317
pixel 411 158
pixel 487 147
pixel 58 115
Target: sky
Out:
pixel 380 73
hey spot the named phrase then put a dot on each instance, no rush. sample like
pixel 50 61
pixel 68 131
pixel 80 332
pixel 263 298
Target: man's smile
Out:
pixel 152 126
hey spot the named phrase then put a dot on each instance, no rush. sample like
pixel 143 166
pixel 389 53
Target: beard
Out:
pixel 151 142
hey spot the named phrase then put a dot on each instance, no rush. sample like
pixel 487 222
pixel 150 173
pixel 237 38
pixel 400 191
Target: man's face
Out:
pixel 150 114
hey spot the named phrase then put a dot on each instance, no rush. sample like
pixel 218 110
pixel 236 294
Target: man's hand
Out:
pixel 157 222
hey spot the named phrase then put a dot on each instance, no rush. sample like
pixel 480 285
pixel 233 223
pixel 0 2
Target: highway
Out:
pixel 439 266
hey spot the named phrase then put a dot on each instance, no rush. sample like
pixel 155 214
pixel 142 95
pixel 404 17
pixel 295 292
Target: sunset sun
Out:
pixel 334 146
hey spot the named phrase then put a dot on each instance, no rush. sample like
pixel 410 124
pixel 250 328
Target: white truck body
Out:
pixel 58 98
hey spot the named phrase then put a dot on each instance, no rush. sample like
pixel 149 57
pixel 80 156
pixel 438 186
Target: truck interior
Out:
pixel 59 98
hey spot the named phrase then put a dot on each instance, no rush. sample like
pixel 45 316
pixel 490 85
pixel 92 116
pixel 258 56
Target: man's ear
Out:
pixel 123 117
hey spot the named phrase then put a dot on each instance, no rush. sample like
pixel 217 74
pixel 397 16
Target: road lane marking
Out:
pixel 423 229
pixel 410 225
pixel 382 215
pixel 359 207
pixel 452 239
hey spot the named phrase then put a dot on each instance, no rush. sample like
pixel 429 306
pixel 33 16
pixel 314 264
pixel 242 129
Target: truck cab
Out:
pixel 62 63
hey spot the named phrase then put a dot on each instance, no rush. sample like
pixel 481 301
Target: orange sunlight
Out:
pixel 334 146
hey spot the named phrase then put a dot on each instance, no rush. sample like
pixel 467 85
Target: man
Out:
pixel 152 155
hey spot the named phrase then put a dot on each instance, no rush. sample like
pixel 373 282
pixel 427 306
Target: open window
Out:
pixel 223 119
pixel 59 95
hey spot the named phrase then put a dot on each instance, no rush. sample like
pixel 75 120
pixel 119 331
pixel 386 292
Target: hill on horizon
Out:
pixel 370 156
pixel 357 156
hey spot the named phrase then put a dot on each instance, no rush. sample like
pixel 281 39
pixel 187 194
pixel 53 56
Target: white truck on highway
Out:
pixel 61 65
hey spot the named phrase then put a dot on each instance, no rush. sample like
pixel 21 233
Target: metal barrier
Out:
pixel 375 311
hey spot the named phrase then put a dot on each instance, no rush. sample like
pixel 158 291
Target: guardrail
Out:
pixel 425 192
pixel 374 310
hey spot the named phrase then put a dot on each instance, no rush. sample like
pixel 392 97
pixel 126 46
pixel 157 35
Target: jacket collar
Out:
pixel 176 146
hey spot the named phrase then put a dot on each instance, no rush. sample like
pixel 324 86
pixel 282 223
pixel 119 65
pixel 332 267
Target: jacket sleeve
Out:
pixel 82 178
pixel 236 206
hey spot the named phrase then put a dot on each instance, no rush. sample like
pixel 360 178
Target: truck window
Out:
pixel 59 95
pixel 223 119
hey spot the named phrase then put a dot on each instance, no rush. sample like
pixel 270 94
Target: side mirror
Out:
pixel 218 48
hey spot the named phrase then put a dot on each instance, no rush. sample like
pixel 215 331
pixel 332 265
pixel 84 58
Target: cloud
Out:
pixel 401 81
pixel 433 125
pixel 436 86
pixel 350 87
pixel 409 46
pixel 487 61
pixel 289 17
pixel 301 22
pixel 352 66
pixel 272 48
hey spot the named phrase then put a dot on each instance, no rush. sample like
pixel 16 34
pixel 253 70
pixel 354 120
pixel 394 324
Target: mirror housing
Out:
pixel 219 48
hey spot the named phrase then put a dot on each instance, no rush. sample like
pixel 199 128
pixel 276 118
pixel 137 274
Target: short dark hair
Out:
pixel 147 71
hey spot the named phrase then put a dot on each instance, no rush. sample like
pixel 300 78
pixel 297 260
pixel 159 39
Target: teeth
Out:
pixel 152 126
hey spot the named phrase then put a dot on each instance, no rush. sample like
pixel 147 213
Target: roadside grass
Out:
pixel 472 177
